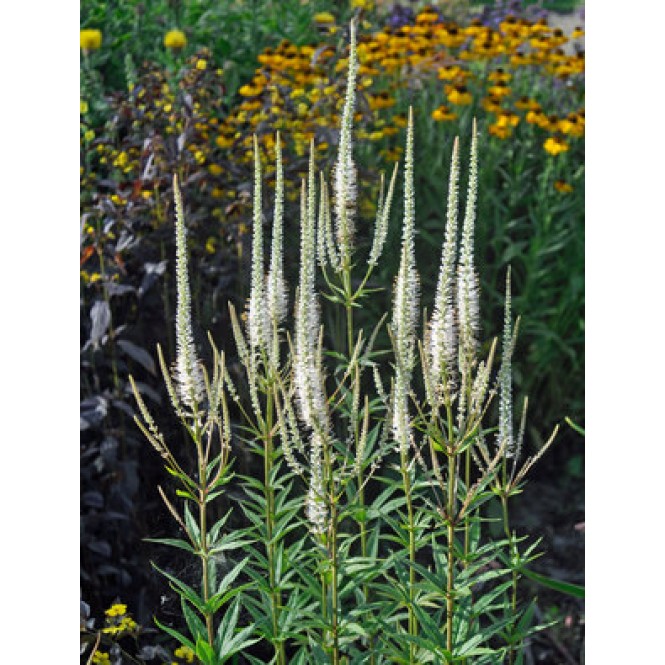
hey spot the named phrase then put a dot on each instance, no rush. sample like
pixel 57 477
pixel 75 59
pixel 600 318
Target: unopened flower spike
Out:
pixel 188 375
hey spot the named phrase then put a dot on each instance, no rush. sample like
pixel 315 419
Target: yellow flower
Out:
pixel 201 64
pixel 324 17
pixel 89 135
pixel 499 76
pixel 90 39
pixel 362 4
pixel 459 95
pixel 175 39
pixel 450 72
pixel 563 187
pixel 499 90
pixel 537 117
pixel 491 104
pixel 121 161
pixel 443 114
pixel 526 104
pixel 101 658
pixel 84 107
pixel 215 169
pixel 554 145
pixel 184 652
pixel 577 33
pixel 501 132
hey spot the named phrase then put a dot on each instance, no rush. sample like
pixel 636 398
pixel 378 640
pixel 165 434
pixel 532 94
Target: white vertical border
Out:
pixel 625 324
pixel 39 331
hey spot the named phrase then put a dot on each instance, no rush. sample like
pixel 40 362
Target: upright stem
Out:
pixel 334 594
pixel 413 624
pixel 203 526
pixel 275 595
pixel 512 545
pixel 452 476
pixel 467 483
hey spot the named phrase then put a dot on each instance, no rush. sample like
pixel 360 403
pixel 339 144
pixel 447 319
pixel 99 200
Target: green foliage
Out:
pixel 355 547
pixel 234 32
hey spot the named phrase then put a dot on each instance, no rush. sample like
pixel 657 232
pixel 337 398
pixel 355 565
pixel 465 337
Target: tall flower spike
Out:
pixel 256 316
pixel 405 306
pixel 344 172
pixel 467 280
pixel 443 332
pixel 276 288
pixel 506 379
pixel 188 374
pixel 308 379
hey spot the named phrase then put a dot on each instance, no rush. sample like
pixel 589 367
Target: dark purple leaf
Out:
pixel 139 354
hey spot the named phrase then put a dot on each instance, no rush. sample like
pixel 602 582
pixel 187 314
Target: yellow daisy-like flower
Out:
pixel 451 72
pixel 459 95
pixel 201 64
pixel 443 114
pixel 324 17
pixel 175 39
pixel 555 145
pixel 499 76
pixel 500 131
pixel 101 658
pixel 498 90
pixel 90 39
pixel 84 107
pixel 362 4
pixel 577 33
pixel 527 104
pixel 563 187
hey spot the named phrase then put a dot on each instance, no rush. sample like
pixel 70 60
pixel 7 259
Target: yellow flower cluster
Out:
pixel 184 655
pixel 294 90
pixel 118 622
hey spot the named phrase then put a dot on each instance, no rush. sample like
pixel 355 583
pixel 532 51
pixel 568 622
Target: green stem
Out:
pixel 333 583
pixel 450 606
pixel 513 550
pixel 275 595
pixel 203 525
pixel 413 624
pixel 467 482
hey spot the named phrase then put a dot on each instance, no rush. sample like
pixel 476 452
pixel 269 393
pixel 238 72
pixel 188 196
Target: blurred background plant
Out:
pixel 180 87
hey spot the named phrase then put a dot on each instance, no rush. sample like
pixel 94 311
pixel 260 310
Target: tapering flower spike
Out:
pixel 307 366
pixel 506 435
pixel 443 327
pixel 405 305
pixel 382 219
pixel 276 288
pixel 257 320
pixel 344 174
pixel 467 280
pixel 188 373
